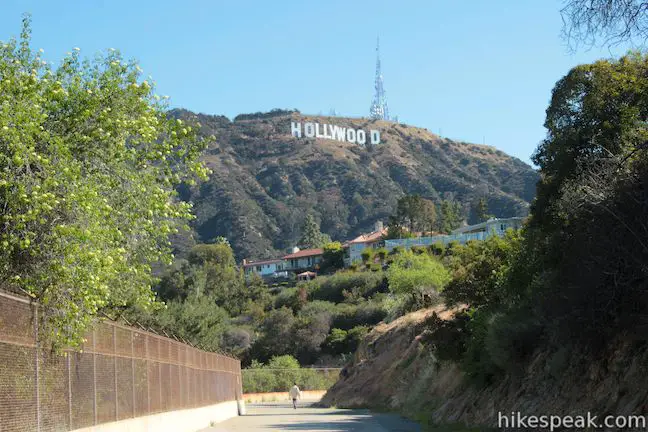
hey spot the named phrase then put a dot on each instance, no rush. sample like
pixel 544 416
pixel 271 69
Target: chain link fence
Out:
pixel 120 373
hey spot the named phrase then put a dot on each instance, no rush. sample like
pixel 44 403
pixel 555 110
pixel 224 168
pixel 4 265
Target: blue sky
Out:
pixel 472 70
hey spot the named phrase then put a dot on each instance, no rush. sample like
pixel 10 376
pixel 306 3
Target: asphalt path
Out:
pixel 281 416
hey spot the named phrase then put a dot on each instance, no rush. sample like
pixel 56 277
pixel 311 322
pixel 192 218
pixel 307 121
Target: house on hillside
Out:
pixel 263 268
pixel 306 259
pixel 480 231
pixel 298 261
pixel 499 226
pixel 353 248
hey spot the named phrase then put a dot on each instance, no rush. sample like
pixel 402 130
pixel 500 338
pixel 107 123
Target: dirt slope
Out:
pixel 394 370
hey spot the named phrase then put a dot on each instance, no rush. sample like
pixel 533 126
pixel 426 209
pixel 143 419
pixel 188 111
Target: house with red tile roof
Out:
pixel 309 260
pixel 353 248
pixel 303 259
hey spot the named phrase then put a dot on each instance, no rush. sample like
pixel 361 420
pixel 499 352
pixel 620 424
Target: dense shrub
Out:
pixel 332 288
pixel 342 341
pixel 480 269
pixel 448 338
pixel 419 277
pixel 382 254
pixel 277 335
pixel 437 249
pixel 367 255
pixel 281 373
pixel 477 361
pixel 293 298
pixel 348 316
pixel 418 250
pixel 333 258
pixel 336 342
pixel 511 338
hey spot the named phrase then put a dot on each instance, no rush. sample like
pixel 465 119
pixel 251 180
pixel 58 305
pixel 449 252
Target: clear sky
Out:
pixel 479 71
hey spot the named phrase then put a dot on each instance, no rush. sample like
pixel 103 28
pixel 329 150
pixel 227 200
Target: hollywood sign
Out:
pixel 333 132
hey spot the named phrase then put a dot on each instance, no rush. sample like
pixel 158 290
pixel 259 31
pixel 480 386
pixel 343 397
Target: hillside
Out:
pixel 397 368
pixel 265 181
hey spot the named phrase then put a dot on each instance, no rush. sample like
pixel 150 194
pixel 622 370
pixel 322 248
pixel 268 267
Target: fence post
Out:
pixel 94 373
pixel 68 366
pixel 180 387
pixel 114 332
pixel 37 369
pixel 148 384
pixel 132 340
pixel 160 374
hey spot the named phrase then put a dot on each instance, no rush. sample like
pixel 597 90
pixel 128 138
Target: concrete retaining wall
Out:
pixel 311 395
pixel 188 420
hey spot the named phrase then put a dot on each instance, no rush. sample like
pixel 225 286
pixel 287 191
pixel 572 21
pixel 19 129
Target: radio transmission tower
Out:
pixel 379 110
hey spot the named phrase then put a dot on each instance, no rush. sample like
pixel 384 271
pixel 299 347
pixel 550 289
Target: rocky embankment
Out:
pixel 395 369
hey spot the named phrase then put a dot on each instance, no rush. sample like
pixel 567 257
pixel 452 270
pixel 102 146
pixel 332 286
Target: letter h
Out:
pixel 295 129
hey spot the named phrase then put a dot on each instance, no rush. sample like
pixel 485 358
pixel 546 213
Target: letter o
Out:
pixel 361 137
pixel 309 130
pixel 351 135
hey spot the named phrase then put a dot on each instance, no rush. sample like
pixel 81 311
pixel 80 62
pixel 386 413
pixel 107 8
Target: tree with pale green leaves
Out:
pixel 418 276
pixel 89 162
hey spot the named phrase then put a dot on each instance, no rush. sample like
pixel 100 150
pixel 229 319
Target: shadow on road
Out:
pixel 346 425
pixel 281 416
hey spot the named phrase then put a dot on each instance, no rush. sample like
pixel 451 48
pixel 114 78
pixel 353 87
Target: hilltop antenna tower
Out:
pixel 379 109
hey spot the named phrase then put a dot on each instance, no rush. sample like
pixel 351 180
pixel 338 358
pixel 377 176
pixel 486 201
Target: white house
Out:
pixel 499 226
pixel 263 268
pixel 480 231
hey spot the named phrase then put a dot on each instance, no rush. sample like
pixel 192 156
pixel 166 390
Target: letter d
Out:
pixel 375 137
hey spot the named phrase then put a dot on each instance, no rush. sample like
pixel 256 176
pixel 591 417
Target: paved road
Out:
pixel 280 416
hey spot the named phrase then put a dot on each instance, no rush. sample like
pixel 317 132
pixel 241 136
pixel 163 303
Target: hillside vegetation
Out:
pixel 551 320
pixel 265 181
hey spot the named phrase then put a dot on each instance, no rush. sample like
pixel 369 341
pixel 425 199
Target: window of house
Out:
pixel 258 268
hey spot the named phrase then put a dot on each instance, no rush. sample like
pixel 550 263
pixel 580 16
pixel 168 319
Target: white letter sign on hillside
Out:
pixel 333 132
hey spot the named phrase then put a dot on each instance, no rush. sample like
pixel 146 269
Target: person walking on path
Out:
pixel 295 394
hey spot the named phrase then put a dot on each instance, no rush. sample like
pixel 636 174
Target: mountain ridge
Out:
pixel 265 180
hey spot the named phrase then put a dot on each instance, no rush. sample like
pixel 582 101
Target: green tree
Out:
pixel 336 342
pixel 585 226
pixel 451 216
pixel 420 277
pixel 479 211
pixel 311 236
pixel 597 112
pixel 220 254
pixel 277 335
pixel 283 362
pixel 88 168
pixel 333 258
pixel 480 271
pixel 211 270
pixel 413 214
